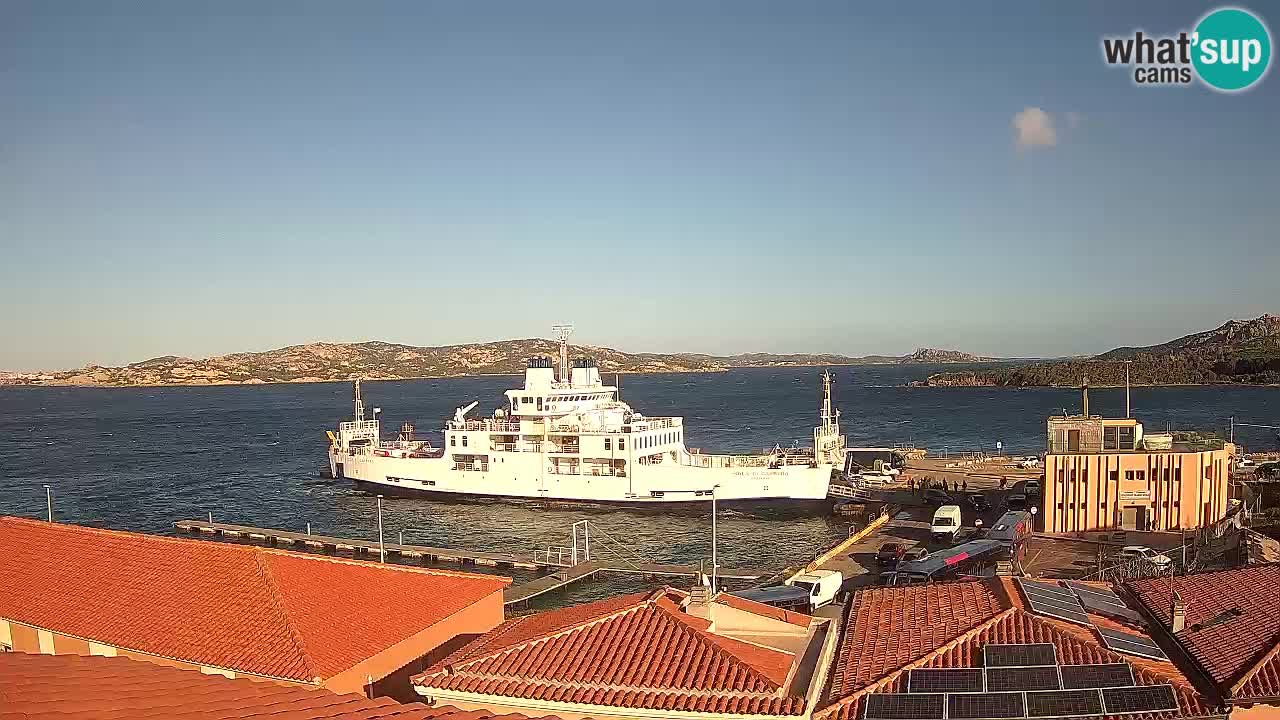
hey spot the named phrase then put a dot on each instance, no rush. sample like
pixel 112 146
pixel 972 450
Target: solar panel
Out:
pixel 931 680
pixel 996 655
pixel 902 706
pixel 1050 588
pixel 986 705
pixel 1139 645
pixel 1096 676
pixel 1144 698
pixel 1063 703
pixel 1044 677
pixel 1104 602
pixel 1050 607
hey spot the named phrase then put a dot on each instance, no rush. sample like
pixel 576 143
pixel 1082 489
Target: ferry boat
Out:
pixel 569 438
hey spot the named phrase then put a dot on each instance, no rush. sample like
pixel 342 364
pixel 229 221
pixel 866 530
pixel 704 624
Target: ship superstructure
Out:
pixel 567 436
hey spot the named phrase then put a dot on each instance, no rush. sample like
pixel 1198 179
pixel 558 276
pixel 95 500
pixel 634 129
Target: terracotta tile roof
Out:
pixel 888 627
pixel 866 663
pixel 253 610
pixel 71 687
pixel 751 606
pixel 1233 625
pixel 637 651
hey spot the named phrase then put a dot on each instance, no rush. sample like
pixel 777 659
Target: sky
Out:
pixel 202 178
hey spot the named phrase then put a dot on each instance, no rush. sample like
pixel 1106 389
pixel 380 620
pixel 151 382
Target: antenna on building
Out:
pixel 1127 413
pixel 1084 395
pixel 561 333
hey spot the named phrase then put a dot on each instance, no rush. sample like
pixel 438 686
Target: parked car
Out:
pixel 913 554
pixel 979 502
pixel 1245 463
pixel 1031 488
pixel 1017 501
pixel 1130 553
pixel 890 553
pixel 934 496
pixel 1029 463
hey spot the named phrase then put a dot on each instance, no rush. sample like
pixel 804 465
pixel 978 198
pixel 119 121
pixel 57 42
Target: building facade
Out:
pixel 1104 474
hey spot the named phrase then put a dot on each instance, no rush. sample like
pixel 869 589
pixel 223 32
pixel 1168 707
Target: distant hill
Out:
pixel 319 362
pixel 1239 351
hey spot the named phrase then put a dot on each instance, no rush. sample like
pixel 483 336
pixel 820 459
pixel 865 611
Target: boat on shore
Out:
pixel 567 437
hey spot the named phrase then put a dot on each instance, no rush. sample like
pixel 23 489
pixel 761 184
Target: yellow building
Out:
pixel 1103 474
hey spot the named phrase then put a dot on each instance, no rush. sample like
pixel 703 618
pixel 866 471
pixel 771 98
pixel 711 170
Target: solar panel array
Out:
pixel 1053 600
pixel 1020 681
pixel 1139 645
pixel 1103 602
pixel 1073 603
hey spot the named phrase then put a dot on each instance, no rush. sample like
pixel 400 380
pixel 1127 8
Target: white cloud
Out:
pixel 1033 127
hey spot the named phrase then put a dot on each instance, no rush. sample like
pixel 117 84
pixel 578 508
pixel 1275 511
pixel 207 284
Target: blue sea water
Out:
pixel 142 458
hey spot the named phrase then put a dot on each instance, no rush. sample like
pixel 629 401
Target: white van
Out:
pixel 823 586
pixel 946 523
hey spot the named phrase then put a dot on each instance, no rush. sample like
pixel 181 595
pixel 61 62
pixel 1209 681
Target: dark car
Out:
pixel 979 502
pixel 913 554
pixel 890 553
pixel 1017 502
pixel 934 496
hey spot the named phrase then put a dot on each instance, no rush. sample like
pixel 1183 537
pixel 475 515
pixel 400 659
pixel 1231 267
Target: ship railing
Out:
pixel 732 461
pixel 652 424
pixel 485 426
pixel 358 427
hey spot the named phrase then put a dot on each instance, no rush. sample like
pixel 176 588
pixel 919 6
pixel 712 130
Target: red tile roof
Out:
pixel 1233 625
pixel 945 625
pixel 71 687
pixel 637 651
pixel 248 609
pixel 888 627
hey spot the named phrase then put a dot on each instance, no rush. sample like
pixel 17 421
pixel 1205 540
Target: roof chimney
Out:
pixel 699 603
pixel 1084 391
pixel 1179 621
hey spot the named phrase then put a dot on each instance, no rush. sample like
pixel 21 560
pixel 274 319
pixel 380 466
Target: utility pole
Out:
pixel 48 499
pixel 1127 413
pixel 382 550
pixel 715 561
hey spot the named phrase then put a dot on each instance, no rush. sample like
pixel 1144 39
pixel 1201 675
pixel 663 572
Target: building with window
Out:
pixel 1105 474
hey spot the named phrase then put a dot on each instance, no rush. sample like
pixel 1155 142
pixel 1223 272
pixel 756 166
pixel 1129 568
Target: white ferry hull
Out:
pixel 657 485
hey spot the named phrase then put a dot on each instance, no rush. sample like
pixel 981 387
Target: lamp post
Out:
pixel 48 501
pixel 382 550
pixel 715 561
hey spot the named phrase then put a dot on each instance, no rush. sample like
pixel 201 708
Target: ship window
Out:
pixel 622 443
pixel 528 399
pixel 453 440
pixel 608 445
pixel 539 404
pixel 515 403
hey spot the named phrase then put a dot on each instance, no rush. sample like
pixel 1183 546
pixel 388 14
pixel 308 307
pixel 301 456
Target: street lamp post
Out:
pixel 48 501
pixel 715 561
pixel 382 550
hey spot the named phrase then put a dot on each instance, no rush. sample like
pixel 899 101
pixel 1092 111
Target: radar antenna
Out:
pixel 561 333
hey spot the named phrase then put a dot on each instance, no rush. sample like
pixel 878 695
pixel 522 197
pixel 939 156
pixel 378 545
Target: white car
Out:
pixel 1142 552
pixel 1029 463
pixel 1244 463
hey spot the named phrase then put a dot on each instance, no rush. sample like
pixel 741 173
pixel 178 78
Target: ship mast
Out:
pixel 561 333
pixel 358 401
